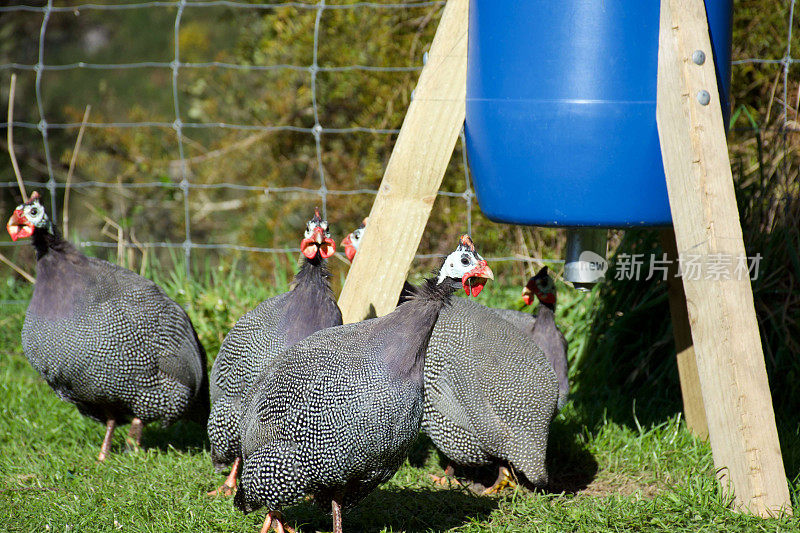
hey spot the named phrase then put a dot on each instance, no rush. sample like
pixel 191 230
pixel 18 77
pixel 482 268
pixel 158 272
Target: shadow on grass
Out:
pixel 627 372
pixel 570 464
pixel 182 436
pixel 420 451
pixel 399 510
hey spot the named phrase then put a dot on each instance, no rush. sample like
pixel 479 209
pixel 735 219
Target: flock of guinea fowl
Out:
pixel 298 405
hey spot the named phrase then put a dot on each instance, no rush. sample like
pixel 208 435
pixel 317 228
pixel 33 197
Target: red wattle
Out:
pixel 476 289
pixel 326 248
pixel 309 248
pixel 473 289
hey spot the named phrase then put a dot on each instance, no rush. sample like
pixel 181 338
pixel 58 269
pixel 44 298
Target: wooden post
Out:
pixel 730 362
pixel 413 175
pixel 693 409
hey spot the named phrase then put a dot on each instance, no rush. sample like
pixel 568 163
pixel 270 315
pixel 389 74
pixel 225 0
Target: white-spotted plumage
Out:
pixel 335 415
pixel 250 346
pixel 490 393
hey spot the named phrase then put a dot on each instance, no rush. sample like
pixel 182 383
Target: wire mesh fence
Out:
pixel 174 81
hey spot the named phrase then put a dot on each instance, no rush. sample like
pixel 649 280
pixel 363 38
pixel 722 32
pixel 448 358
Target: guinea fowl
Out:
pixel 335 415
pixel 489 393
pixel 352 242
pixel 544 331
pixel 105 339
pixel 261 334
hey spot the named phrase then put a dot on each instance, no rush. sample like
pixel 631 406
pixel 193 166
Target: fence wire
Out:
pixel 317 131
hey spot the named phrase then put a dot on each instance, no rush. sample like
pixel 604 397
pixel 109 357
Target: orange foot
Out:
pixel 504 479
pixel 274 519
pixel 446 479
pixel 223 490
pixel 229 487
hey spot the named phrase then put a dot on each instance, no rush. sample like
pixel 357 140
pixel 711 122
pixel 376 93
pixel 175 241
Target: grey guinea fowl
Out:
pixel 521 320
pixel 276 324
pixel 544 331
pixel 105 339
pixel 335 415
pixel 490 393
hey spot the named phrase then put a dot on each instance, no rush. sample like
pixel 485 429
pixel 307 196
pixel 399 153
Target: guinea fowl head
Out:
pixel 317 238
pixel 27 218
pixel 467 267
pixel 352 242
pixel 542 286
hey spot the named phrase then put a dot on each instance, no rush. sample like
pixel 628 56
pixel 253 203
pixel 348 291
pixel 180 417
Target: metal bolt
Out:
pixel 703 97
pixel 698 57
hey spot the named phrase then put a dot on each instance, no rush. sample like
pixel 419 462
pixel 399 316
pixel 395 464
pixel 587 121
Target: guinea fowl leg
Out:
pixel 279 527
pixel 447 476
pixel 504 479
pixel 336 510
pixel 134 439
pixel 229 486
pixel 105 448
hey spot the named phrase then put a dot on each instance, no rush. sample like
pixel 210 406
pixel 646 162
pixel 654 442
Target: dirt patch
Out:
pixel 607 485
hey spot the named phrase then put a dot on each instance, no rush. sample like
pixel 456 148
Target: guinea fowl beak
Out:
pixel 349 249
pixel 18 226
pixel 527 295
pixel 474 280
pixel 319 235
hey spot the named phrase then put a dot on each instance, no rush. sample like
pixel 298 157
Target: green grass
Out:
pixel 610 471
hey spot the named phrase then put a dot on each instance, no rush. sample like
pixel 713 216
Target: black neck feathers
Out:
pixel 44 241
pixel 313 275
pixel 310 306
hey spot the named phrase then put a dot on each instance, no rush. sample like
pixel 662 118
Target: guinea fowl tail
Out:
pixel 241 501
pixel 271 477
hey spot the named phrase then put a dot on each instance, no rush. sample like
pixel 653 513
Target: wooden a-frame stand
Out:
pixel 721 363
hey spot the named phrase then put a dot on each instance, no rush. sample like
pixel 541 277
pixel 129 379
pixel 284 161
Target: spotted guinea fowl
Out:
pixel 274 325
pixel 335 415
pixel 544 331
pixel 105 339
pixel 489 394
pixel 352 242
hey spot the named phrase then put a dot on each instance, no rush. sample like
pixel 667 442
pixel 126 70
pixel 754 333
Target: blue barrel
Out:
pixel 561 110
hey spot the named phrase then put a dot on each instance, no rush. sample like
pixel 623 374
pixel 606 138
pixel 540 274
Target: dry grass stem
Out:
pixel 772 97
pixel 10 137
pixel 72 161
pixel 17 269
pixel 119 237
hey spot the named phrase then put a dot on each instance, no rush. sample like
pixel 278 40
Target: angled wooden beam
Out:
pixel 693 409
pixel 414 173
pixel 730 362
